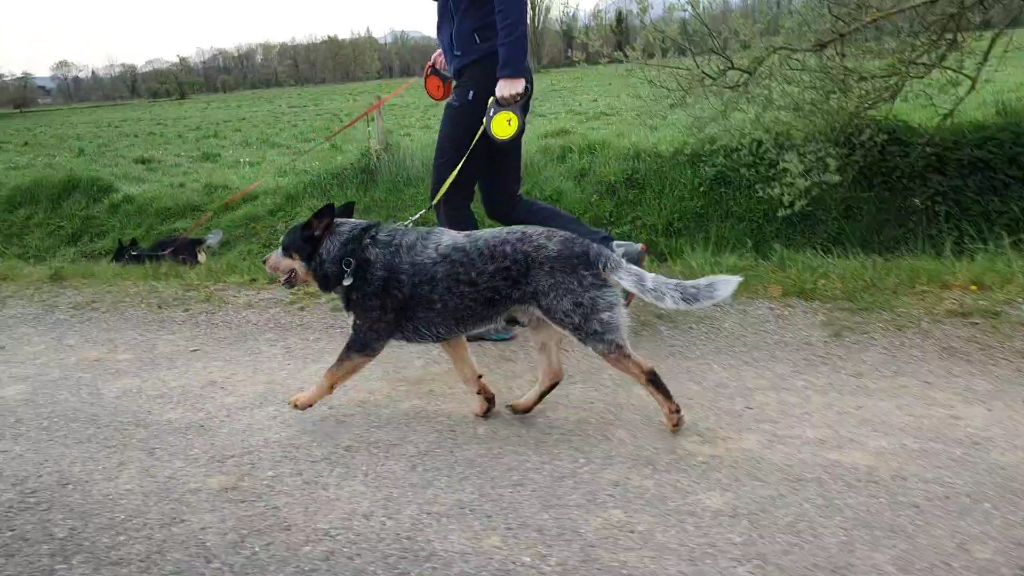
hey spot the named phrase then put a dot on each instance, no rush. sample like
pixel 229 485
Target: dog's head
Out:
pixel 129 253
pixel 301 243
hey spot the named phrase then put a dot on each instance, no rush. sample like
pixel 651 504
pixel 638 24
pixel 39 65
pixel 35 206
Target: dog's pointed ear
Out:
pixel 346 210
pixel 321 222
pixel 133 242
pixel 120 244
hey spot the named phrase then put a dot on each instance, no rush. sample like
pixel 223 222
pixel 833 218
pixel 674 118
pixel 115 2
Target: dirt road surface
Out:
pixel 142 439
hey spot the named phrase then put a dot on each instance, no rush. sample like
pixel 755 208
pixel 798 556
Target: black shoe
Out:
pixel 501 333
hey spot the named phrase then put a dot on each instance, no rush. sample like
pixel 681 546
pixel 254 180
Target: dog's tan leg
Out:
pixel 465 366
pixel 548 340
pixel 644 373
pixel 343 368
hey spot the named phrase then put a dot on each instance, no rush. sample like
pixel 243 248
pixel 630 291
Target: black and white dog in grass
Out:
pixel 433 285
pixel 180 249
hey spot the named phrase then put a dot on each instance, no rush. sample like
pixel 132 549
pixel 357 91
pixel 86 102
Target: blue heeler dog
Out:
pixel 436 285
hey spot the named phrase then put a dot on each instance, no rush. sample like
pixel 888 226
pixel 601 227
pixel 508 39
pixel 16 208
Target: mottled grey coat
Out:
pixel 436 285
pixel 433 284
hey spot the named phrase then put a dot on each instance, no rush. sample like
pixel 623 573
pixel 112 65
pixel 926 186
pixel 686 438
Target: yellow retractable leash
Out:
pixel 502 124
pixel 506 123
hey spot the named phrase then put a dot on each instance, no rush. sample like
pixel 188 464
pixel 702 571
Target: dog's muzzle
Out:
pixel 283 268
pixel 291 279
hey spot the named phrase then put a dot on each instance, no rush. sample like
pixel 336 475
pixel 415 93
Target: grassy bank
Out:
pixel 886 214
pixel 985 285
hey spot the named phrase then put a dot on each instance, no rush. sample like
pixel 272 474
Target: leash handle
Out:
pixel 437 83
pixel 504 123
pixel 527 93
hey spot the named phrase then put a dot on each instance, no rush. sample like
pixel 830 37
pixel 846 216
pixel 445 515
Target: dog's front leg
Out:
pixel 358 352
pixel 462 359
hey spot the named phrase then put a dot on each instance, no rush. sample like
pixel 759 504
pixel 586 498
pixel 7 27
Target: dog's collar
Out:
pixel 348 265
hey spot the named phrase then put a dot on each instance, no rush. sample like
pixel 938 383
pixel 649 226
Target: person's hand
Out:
pixel 510 90
pixel 437 61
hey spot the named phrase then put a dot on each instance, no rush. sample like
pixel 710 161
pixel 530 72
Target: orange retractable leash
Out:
pixel 437 83
pixel 502 123
pixel 238 196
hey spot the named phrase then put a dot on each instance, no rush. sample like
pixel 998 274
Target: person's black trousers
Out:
pixel 496 167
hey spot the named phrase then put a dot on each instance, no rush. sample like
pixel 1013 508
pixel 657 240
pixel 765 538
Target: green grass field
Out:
pixel 601 143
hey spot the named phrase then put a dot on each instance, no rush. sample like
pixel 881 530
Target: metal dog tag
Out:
pixel 347 264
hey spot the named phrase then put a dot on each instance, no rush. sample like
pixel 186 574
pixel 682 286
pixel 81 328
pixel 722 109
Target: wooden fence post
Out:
pixel 378 118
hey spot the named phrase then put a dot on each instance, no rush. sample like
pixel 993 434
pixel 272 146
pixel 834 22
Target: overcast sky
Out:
pixel 37 33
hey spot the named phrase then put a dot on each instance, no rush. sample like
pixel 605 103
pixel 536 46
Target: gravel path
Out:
pixel 143 438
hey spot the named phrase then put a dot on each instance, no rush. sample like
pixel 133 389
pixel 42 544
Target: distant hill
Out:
pixel 396 34
pixel 45 82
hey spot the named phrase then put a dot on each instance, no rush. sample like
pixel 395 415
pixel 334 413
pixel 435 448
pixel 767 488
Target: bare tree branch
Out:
pixel 870 21
pixel 980 67
pixel 830 55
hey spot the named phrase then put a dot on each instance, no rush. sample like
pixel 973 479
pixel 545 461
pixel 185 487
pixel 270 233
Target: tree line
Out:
pixel 698 44
pixel 562 37
pixel 246 67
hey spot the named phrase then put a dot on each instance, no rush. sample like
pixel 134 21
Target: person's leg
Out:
pixel 501 178
pixel 500 188
pixel 500 182
pixel 463 114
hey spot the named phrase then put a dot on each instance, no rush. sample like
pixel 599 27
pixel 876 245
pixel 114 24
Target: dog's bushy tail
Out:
pixel 671 293
pixel 213 239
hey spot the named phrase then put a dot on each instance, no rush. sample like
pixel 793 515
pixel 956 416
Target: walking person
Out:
pixel 484 48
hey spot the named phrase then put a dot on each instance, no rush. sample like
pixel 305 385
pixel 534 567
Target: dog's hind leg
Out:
pixel 598 321
pixel 548 340
pixel 358 352
pixel 462 359
pixel 623 359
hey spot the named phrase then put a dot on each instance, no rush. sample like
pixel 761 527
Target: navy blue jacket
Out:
pixel 471 29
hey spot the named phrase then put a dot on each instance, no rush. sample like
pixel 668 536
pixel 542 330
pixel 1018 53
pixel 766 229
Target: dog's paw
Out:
pixel 518 408
pixel 301 401
pixel 675 421
pixel 486 405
